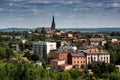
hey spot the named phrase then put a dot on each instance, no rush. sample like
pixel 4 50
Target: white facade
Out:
pixel 98 57
pixel 43 47
pixel 114 40
pixel 22 41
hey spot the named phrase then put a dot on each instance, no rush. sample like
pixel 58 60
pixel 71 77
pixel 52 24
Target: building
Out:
pixel 77 59
pixel 62 55
pixel 96 55
pixel 72 57
pixel 43 48
pixel 14 46
pixel 97 41
pixel 57 64
pixel 22 41
pixel 48 30
pixel 113 39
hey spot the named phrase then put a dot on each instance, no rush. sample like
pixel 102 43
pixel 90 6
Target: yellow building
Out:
pixel 70 35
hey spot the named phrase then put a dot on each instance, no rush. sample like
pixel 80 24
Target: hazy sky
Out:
pixel 68 13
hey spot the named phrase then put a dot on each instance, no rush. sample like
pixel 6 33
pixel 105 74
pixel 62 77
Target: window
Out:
pixel 94 58
pixel 101 59
pixel 74 62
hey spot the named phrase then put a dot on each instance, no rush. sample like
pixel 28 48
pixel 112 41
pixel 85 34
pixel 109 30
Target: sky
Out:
pixel 68 13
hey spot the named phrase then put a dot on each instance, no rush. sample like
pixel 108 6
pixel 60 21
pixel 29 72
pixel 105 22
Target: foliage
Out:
pixel 75 74
pixel 9 53
pixel 103 69
pixel 114 51
pixel 28 55
pixel 35 57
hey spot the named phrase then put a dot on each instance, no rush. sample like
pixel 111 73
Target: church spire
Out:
pixel 53 23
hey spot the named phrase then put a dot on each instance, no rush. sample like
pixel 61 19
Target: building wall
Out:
pixel 94 43
pixel 14 46
pixel 54 64
pixel 98 57
pixel 70 35
pixel 78 61
pixel 42 48
pixel 65 68
pixel 50 46
pixel 63 56
pixel 53 55
pixel 114 40
pixel 103 43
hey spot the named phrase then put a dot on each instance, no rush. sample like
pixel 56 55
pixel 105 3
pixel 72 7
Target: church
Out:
pixel 47 30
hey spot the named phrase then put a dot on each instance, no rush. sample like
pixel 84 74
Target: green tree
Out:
pixel 2 53
pixel 75 74
pixel 64 76
pixel 9 53
pixel 28 55
pixel 115 76
pixel 35 57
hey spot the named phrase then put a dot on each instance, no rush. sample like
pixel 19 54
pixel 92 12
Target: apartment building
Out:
pixel 42 48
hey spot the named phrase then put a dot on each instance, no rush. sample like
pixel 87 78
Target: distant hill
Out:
pixel 89 30
pixel 15 29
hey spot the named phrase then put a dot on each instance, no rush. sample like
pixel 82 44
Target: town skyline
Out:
pixel 68 13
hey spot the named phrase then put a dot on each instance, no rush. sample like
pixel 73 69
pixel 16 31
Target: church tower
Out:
pixel 53 24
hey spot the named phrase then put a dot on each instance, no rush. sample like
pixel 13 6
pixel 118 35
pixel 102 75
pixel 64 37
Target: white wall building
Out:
pixel 114 39
pixel 97 55
pixel 43 47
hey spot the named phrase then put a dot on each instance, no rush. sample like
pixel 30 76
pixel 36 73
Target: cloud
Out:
pixel 13 0
pixel 67 2
pixel 16 19
pixel 81 9
pixel 11 4
pixel 40 1
pixel 71 16
pixel 94 4
pixel 36 11
pixel 115 5
pixel 57 14
pixel 1 9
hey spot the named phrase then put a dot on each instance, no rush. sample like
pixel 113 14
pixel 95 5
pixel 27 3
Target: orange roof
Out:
pixel 14 58
pixel 24 58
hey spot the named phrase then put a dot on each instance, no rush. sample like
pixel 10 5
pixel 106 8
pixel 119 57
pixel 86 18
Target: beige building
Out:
pixel 57 64
pixel 97 41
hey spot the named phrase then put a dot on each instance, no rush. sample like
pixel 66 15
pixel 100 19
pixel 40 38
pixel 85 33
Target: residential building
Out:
pixel 43 48
pixel 113 39
pixel 14 46
pixel 62 55
pixel 96 55
pixel 77 59
pixel 97 41
pixel 57 64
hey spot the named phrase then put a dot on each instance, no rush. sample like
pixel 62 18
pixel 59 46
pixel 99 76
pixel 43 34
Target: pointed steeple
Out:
pixel 53 23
